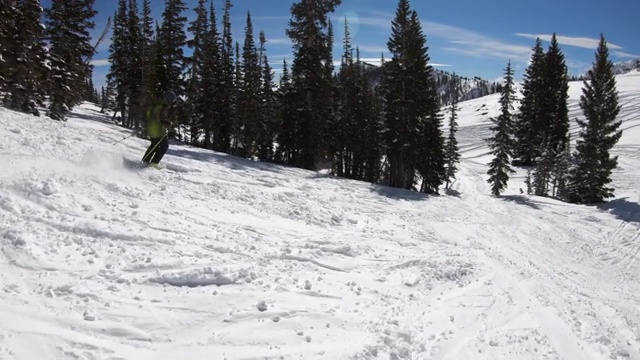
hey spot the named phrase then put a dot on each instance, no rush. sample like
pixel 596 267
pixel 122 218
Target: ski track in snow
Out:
pixel 220 258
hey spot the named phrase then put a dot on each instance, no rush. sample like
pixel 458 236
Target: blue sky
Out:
pixel 470 37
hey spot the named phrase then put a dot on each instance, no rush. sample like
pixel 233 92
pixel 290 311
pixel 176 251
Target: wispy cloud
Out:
pixel 577 41
pixel 100 62
pixel 463 41
pixel 475 44
pixel 622 54
pixel 279 41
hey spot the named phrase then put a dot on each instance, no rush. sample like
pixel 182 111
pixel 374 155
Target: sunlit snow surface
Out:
pixel 220 258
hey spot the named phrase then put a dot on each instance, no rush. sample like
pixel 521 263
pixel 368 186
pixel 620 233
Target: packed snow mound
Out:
pixel 215 257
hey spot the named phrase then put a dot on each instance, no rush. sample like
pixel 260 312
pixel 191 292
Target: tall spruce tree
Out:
pixel 370 138
pixel 557 133
pixel 501 143
pixel 69 23
pixel 249 94
pixel 199 29
pixel 600 131
pixel 118 57
pixel 149 84
pixel 311 81
pixel 413 124
pixel 398 119
pixel 344 124
pixel 328 91
pixel 286 152
pixel 452 152
pixel 26 68
pixel 135 44
pixel 531 122
pixel 554 135
pixel 236 122
pixel 226 87
pixel 8 16
pixel 209 102
pixel 269 122
pixel 172 39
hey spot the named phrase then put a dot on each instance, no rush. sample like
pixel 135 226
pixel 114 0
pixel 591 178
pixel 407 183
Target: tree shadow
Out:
pixel 522 200
pixel 98 117
pixel 453 192
pixel 623 209
pixel 229 161
pixel 400 194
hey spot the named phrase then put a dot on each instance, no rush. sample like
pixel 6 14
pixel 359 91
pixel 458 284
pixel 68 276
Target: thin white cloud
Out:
pixel 466 41
pixel 279 41
pixel 475 44
pixel 100 62
pixel 577 41
pixel 622 54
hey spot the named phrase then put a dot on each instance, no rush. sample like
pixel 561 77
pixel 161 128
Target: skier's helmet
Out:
pixel 169 96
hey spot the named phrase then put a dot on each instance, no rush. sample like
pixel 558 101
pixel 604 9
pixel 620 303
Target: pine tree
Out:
pixel 118 57
pixel 531 122
pixel 308 31
pixel 172 40
pixel 557 88
pixel 398 127
pixel 199 28
pixel 328 114
pixel 236 122
pixel 269 122
pixel 135 45
pixel 8 17
pixel 69 24
pixel 369 111
pixel 209 102
pixel 249 94
pixel 344 125
pixel 451 148
pixel 501 142
pixel 26 62
pixel 599 133
pixel 287 152
pixel 223 126
pixel 149 83
pixel 554 135
pixel 414 137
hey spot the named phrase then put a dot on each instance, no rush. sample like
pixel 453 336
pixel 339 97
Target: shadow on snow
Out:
pixel 521 199
pixel 400 194
pixel 623 209
pixel 98 117
pixel 230 161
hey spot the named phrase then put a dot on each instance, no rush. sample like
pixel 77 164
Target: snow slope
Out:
pixel 221 258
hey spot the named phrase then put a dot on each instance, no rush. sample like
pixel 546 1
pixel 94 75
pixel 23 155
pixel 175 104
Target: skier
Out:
pixel 158 118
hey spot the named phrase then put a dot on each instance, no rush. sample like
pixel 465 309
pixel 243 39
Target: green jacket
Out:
pixel 156 120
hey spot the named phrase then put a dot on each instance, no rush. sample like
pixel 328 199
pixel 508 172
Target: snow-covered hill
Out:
pixel 625 67
pixel 220 258
pixel 622 67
